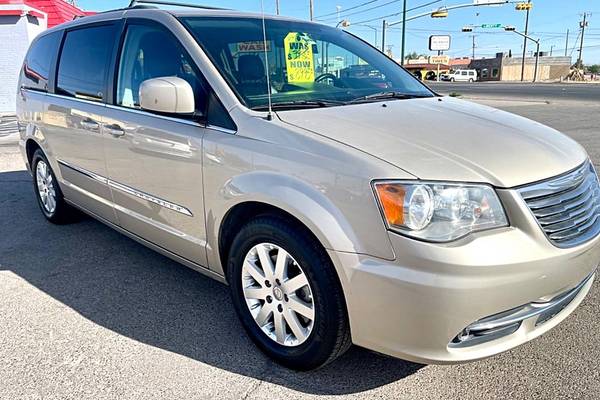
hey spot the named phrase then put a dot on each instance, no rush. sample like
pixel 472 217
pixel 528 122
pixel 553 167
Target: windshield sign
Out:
pixel 308 64
pixel 299 56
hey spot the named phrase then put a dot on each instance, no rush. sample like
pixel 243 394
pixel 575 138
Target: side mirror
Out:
pixel 168 94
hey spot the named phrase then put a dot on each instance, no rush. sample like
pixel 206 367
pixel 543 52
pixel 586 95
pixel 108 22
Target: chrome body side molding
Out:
pixel 128 189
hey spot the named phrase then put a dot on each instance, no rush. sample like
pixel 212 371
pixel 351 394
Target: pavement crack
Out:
pixel 260 380
pixel 253 389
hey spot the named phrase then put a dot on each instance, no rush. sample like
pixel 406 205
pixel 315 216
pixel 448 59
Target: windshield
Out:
pixel 307 63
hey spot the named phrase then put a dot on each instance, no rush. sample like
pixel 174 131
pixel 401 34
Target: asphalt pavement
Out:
pixel 86 313
pixel 552 92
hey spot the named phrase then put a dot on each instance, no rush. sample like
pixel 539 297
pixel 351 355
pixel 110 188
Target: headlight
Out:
pixel 439 212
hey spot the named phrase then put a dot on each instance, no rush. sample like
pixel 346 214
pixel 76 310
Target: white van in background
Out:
pixel 461 75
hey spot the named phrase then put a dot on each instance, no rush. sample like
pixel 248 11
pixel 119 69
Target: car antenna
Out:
pixel 264 31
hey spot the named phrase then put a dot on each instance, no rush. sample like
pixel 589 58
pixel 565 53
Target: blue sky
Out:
pixel 549 22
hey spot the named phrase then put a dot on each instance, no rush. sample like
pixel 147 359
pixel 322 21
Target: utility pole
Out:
pixel 383 28
pixel 312 10
pixel 567 43
pixel 525 44
pixel 582 24
pixel 403 33
pixel 277 6
pixel 473 36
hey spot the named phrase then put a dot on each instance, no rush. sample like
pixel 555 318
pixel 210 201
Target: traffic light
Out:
pixel 509 28
pixel 441 13
pixel 523 6
pixel 467 29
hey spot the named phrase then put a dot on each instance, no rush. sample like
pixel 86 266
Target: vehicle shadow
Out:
pixel 129 289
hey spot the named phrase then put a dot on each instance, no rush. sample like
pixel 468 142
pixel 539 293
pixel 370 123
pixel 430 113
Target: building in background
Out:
pixel 506 68
pixel 425 68
pixel 20 22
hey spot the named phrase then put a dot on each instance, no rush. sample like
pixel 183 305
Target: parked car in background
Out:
pixel 460 75
pixel 430 76
pixel 349 204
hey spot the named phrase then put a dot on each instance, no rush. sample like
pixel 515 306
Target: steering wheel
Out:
pixel 325 76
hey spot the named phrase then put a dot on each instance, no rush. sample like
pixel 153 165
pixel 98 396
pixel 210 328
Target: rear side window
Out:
pixel 84 62
pixel 38 62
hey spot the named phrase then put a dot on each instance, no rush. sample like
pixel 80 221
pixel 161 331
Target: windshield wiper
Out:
pixel 387 95
pixel 289 105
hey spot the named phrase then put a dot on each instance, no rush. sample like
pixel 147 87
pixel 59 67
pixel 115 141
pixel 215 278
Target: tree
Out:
pixel 594 69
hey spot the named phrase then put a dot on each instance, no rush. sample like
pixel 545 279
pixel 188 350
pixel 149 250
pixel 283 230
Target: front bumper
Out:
pixel 415 307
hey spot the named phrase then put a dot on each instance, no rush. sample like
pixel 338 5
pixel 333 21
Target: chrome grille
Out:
pixel 567 207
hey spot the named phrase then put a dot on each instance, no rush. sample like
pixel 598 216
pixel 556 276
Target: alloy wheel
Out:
pixel 278 294
pixel 45 186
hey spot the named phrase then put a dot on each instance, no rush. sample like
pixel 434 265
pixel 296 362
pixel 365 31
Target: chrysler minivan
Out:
pixel 340 199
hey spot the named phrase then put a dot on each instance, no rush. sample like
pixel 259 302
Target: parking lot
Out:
pixel 86 313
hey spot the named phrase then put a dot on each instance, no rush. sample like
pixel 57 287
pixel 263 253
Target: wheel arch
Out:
pixel 243 212
pixel 30 148
pixel 248 196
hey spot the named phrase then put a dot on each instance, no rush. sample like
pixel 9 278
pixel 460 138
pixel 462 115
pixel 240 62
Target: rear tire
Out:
pixel 48 193
pixel 319 331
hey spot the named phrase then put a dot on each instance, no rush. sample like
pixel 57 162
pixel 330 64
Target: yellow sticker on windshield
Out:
pixel 299 60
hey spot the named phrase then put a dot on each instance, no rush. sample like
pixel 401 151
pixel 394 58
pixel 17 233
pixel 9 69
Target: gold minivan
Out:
pixel 340 199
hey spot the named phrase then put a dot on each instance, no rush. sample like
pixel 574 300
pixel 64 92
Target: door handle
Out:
pixel 89 125
pixel 114 130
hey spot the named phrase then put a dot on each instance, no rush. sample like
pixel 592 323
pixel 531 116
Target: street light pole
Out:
pixel 277 6
pixel 403 33
pixel 383 28
pixel 537 60
pixel 312 10
pixel 374 30
pixel 537 52
pixel 525 44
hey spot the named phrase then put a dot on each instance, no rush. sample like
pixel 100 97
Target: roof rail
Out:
pixel 134 3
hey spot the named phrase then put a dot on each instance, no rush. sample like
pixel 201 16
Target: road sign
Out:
pixel 439 42
pixel 439 60
pixel 491 25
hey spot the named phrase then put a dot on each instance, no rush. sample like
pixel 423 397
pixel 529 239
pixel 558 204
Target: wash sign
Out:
pixel 253 47
pixel 299 60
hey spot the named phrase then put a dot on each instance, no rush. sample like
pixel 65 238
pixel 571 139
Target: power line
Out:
pixel 398 13
pixel 350 8
pixel 575 44
pixel 345 14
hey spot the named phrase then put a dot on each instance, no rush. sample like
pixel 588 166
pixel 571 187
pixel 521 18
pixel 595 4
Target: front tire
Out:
pixel 287 294
pixel 47 191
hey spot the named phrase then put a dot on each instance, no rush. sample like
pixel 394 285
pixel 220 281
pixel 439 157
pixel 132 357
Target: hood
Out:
pixel 447 139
